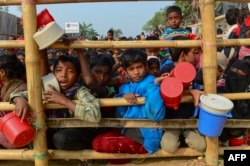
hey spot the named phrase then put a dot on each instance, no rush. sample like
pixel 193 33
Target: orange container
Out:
pixel 171 91
pixel 43 18
pixel 185 72
pixel 18 133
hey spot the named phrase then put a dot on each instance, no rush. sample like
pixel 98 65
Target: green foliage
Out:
pixel 87 31
pixel 189 11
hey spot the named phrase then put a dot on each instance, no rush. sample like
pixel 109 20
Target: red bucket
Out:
pixel 43 18
pixel 171 91
pixel 18 133
pixel 185 72
pixel 237 141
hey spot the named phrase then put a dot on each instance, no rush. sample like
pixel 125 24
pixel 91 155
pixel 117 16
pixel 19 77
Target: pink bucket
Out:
pixel 43 18
pixel 18 133
pixel 185 72
pixel 171 91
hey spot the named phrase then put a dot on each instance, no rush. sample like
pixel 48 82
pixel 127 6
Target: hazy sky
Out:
pixel 127 16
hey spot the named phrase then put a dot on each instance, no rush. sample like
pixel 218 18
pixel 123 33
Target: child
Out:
pixel 171 137
pixel 11 74
pixel 97 73
pixel 135 140
pixel 154 65
pixel 174 18
pixel 67 72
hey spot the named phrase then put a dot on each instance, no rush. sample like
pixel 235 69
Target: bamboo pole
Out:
pixel 106 102
pixel 209 65
pixel 34 87
pixel 130 44
pixel 17 2
pixel 144 123
pixel 25 154
pixel 215 19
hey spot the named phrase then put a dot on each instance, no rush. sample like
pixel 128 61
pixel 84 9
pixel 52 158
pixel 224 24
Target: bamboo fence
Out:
pixel 41 155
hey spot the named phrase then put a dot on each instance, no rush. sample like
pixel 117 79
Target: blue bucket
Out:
pixel 213 112
pixel 211 124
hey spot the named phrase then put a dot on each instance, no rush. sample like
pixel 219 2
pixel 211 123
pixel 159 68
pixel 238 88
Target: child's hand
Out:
pixel 54 96
pixel 131 98
pixel 196 96
pixel 67 40
pixel 161 78
pixel 21 107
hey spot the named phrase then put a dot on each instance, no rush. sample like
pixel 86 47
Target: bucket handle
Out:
pixel 196 111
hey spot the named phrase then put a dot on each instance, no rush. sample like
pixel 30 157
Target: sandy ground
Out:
pixel 190 161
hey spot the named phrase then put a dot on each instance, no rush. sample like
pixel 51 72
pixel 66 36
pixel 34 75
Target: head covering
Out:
pixel 222 60
pixel 150 57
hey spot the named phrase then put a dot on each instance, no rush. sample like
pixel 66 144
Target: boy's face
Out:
pixel 65 74
pixel 136 71
pixel 152 51
pixel 191 56
pixel 101 74
pixel 174 20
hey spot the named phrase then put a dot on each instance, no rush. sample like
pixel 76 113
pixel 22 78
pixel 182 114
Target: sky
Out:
pixel 127 16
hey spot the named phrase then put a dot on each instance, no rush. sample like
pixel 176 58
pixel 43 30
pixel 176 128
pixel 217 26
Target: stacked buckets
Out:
pixel 213 112
pixel 172 87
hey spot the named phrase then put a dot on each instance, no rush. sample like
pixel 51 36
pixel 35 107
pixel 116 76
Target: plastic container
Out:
pixel 185 72
pixel 213 113
pixel 43 18
pixel 237 141
pixel 17 132
pixel 171 91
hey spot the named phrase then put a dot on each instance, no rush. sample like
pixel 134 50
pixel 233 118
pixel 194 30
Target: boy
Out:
pixel 174 18
pixel 171 138
pixel 67 71
pixel 135 140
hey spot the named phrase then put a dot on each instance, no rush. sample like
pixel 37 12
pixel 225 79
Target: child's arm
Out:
pixel 21 103
pixel 195 94
pixel 88 77
pixel 89 107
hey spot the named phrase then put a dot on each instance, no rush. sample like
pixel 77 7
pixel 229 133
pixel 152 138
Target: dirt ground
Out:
pixel 170 161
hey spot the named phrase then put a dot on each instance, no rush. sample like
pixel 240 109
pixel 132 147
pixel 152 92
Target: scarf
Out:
pixel 7 90
pixel 70 92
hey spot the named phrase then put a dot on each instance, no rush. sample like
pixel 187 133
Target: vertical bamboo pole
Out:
pixel 209 64
pixel 32 61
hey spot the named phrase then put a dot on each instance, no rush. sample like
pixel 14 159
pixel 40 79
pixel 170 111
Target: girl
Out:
pixel 11 74
pixel 154 65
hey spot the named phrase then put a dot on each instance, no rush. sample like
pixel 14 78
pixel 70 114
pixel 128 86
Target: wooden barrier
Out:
pixel 208 44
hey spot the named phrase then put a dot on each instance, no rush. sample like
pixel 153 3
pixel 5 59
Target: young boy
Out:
pixel 171 138
pixel 135 140
pixel 67 71
pixel 174 18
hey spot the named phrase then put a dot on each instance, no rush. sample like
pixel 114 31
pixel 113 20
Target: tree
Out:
pixel 87 31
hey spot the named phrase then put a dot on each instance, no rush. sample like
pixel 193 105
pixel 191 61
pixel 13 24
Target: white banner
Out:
pixel 72 27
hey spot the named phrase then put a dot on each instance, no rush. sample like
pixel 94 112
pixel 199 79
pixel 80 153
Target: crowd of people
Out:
pixel 89 74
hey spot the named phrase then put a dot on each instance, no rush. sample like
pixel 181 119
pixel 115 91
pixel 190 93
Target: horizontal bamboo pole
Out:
pixel 25 154
pixel 18 2
pixel 139 123
pixel 132 44
pixel 106 102
pixel 216 19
